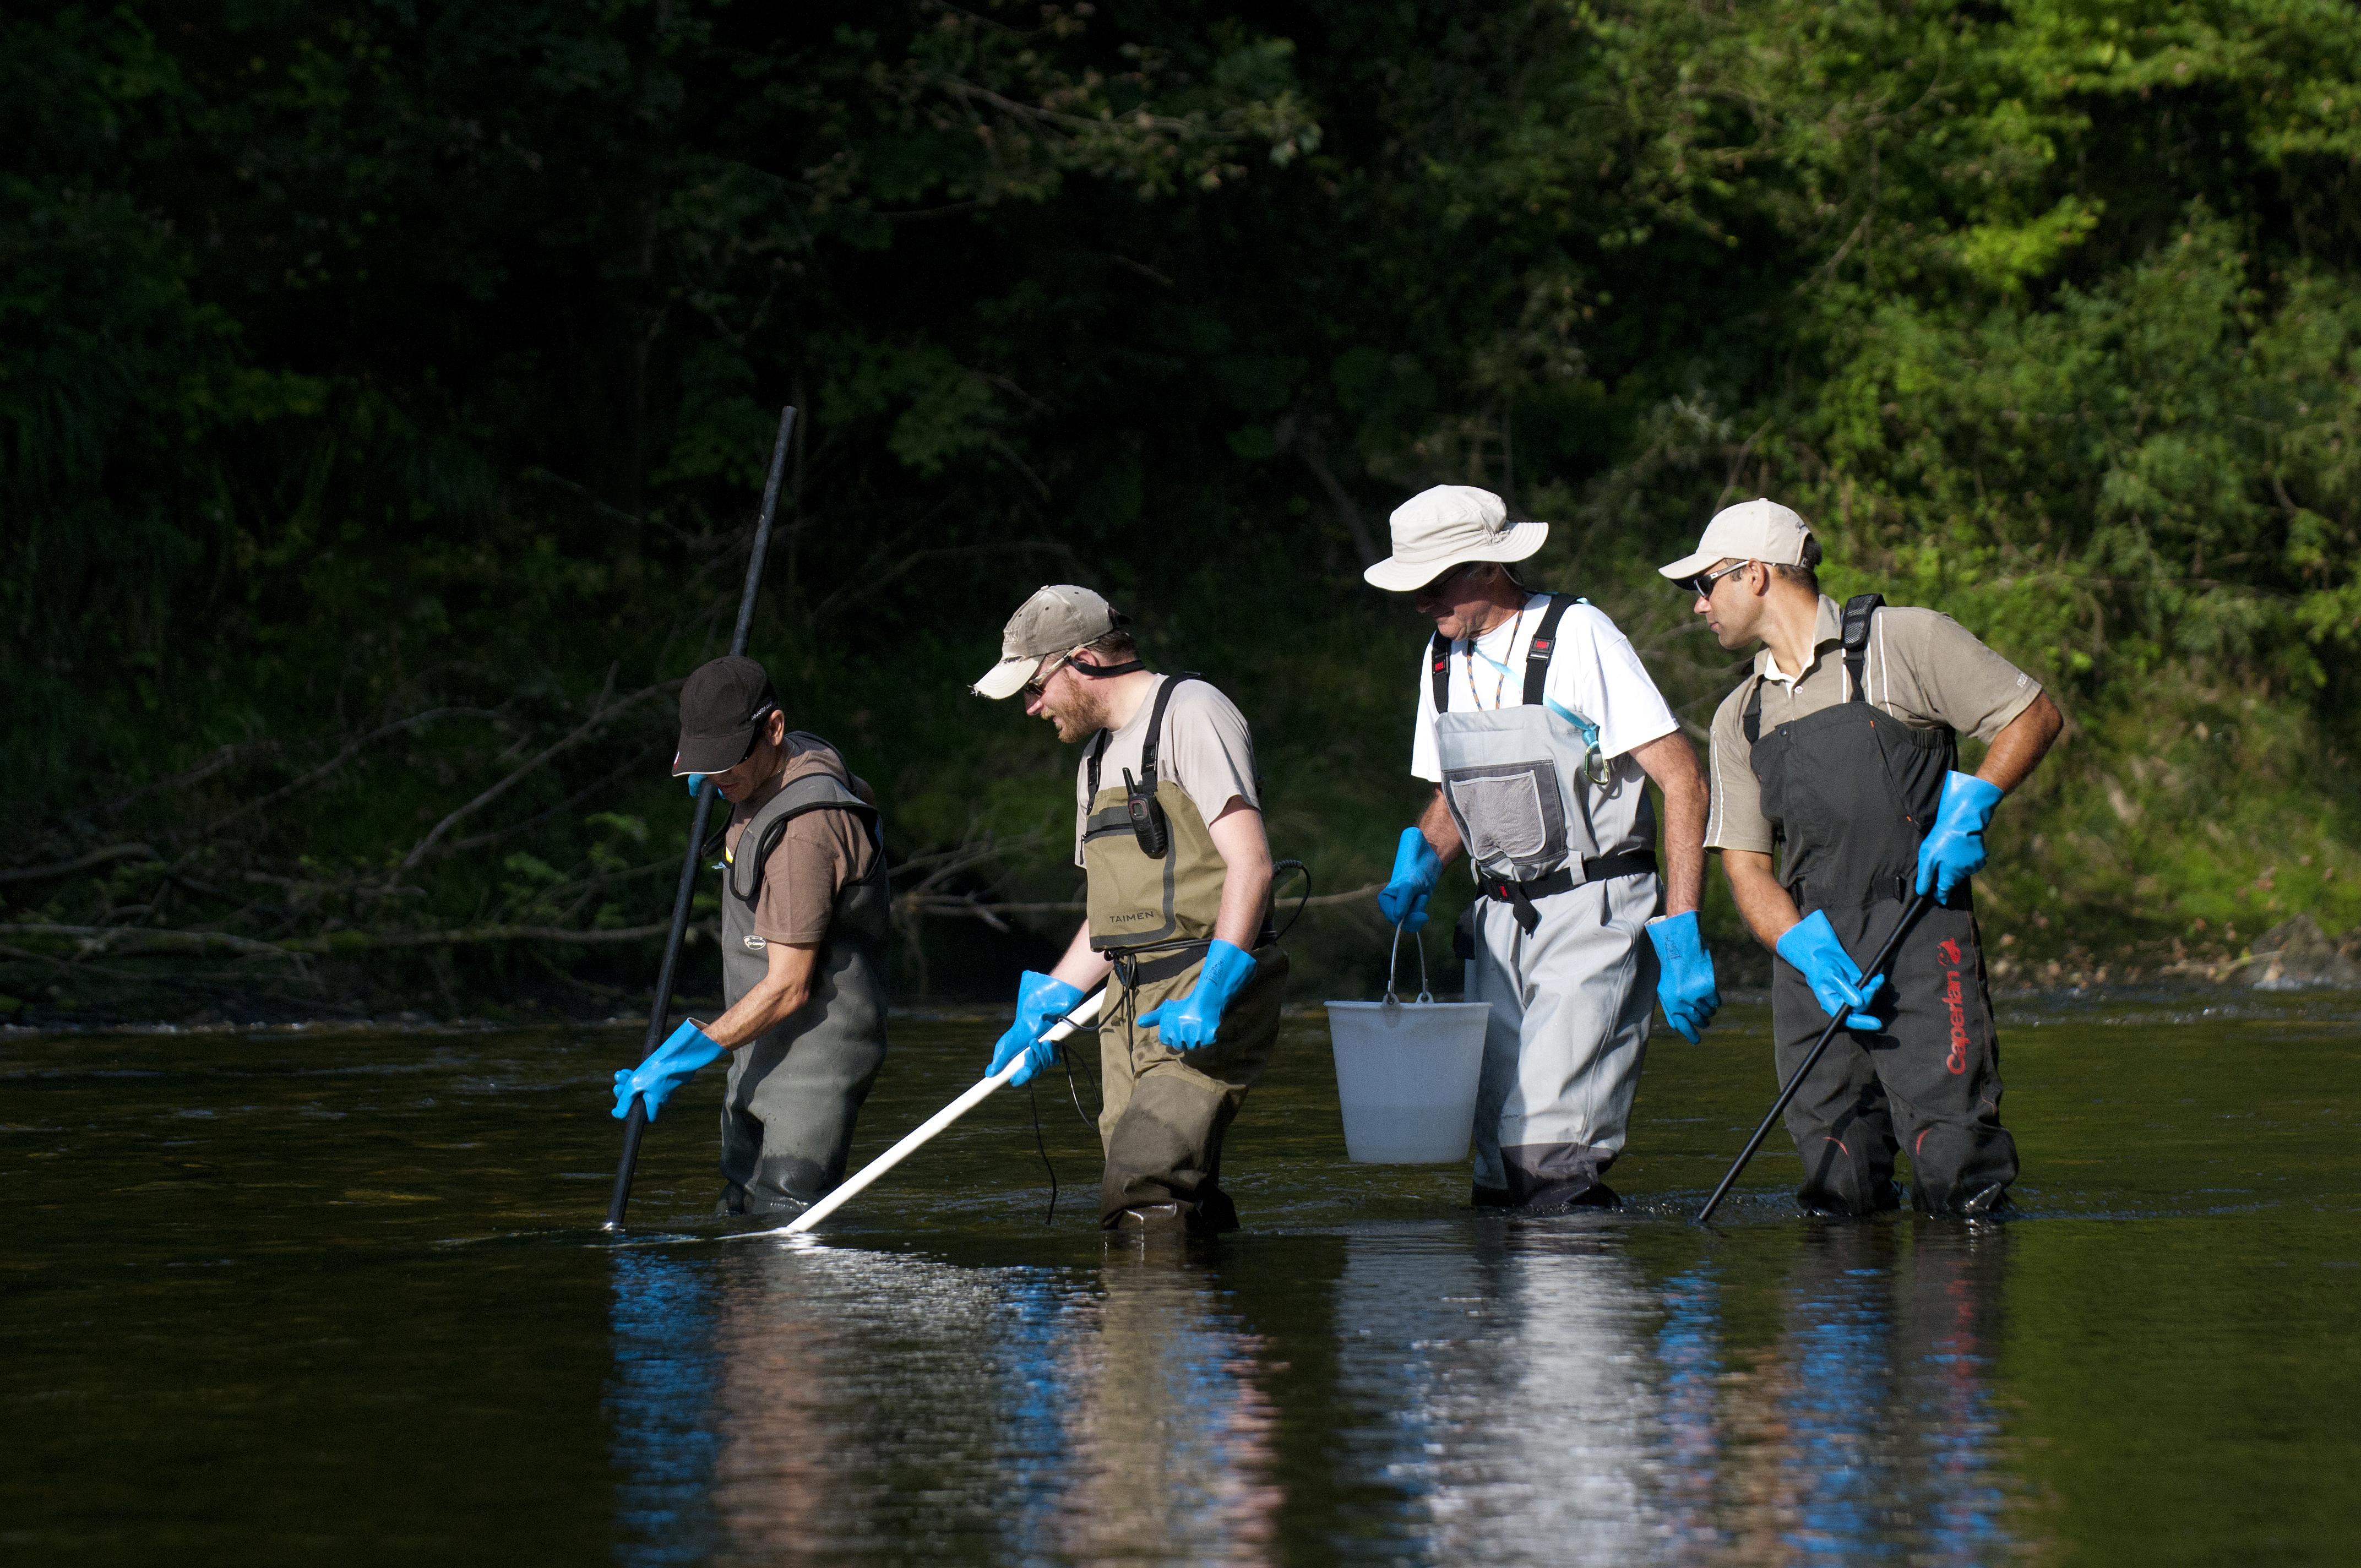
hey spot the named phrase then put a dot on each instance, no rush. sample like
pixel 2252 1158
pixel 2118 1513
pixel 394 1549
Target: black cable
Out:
pixel 1033 1102
pixel 1296 865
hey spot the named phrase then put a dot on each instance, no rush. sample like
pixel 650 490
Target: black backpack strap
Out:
pixel 1148 748
pixel 1438 660
pixel 1537 657
pixel 1857 613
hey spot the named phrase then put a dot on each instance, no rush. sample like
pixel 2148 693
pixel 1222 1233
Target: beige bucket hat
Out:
pixel 1437 530
pixel 1760 529
pixel 1056 619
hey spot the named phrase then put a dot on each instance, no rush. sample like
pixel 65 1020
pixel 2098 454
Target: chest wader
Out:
pixel 787 1112
pixel 1850 791
pixel 1155 894
pixel 1556 943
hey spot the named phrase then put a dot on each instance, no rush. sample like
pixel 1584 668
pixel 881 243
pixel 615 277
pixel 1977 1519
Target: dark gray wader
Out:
pixel 1164 1112
pixel 1850 791
pixel 787 1114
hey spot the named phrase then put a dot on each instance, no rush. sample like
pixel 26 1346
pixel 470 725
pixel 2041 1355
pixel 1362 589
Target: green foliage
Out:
pixel 387 391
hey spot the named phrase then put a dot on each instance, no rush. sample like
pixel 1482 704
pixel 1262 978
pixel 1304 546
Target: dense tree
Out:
pixel 384 391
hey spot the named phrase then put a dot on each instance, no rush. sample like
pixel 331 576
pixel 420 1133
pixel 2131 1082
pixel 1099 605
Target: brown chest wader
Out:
pixel 1557 943
pixel 1850 792
pixel 789 1110
pixel 1155 894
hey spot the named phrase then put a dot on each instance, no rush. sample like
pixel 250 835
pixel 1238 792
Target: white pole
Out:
pixel 1084 1013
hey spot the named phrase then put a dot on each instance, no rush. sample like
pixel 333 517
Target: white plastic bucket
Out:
pixel 1406 1076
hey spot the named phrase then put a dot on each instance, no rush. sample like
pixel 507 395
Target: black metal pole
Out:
pixel 1795 1081
pixel 661 1012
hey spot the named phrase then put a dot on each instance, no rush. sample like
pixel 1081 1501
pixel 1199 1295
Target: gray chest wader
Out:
pixel 1849 792
pixel 1155 895
pixel 789 1111
pixel 1556 943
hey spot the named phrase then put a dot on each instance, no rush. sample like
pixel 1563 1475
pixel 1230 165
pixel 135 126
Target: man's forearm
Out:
pixel 1082 966
pixel 1238 839
pixel 1442 832
pixel 1671 761
pixel 1762 902
pixel 2018 749
pixel 774 999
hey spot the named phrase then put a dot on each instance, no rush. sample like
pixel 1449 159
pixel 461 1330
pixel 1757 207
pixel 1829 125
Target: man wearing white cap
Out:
pixel 1168 829
pixel 1541 730
pixel 1850 762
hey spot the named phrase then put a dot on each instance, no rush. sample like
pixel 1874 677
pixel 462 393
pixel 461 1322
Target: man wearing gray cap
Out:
pixel 1168 829
pixel 1843 746
pixel 1539 730
pixel 805 912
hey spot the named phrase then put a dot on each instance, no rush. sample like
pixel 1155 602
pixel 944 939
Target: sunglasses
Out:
pixel 1440 586
pixel 1031 690
pixel 1702 584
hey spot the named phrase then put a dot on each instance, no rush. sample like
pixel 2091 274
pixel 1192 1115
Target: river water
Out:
pixel 340 1297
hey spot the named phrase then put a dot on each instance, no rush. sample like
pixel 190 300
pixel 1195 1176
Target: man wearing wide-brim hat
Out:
pixel 1839 752
pixel 1169 832
pixel 1540 732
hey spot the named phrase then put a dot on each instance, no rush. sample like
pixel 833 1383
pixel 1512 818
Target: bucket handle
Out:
pixel 1394 958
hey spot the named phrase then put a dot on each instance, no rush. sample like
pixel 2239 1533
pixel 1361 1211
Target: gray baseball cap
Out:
pixel 1056 619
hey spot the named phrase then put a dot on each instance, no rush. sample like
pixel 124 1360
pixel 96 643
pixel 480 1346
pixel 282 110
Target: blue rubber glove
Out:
pixel 695 782
pixel 1685 979
pixel 1041 1001
pixel 1811 944
pixel 668 1066
pixel 1188 1022
pixel 1954 850
pixel 1402 901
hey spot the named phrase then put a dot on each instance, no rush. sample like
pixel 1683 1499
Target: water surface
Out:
pixel 297 1297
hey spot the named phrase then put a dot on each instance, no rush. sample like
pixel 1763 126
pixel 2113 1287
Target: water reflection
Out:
pixel 1528 1397
pixel 773 1403
pixel 1457 1392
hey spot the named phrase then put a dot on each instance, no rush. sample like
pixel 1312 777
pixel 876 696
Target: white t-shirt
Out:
pixel 1594 674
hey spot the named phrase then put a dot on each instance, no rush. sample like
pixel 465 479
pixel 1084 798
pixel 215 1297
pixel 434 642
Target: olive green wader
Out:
pixel 1164 1112
pixel 787 1114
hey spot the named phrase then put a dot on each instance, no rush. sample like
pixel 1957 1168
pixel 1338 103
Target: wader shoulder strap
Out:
pixel 1544 643
pixel 816 791
pixel 1857 613
pixel 1438 663
pixel 1149 749
pixel 1752 723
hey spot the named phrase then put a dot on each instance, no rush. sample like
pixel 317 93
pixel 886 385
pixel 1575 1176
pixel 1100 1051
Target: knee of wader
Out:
pixel 1961 1170
pixel 1840 1179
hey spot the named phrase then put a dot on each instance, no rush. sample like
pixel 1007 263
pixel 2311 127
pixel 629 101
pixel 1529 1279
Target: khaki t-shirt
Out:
pixel 818 854
pixel 1923 667
pixel 1206 751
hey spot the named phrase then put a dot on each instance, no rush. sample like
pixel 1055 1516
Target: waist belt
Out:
pixel 1521 894
pixel 1162 960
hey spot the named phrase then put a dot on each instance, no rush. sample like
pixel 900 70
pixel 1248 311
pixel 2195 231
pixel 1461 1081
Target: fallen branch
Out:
pixel 918 904
pixel 352 749
pixel 582 732
pixel 68 867
pixel 132 940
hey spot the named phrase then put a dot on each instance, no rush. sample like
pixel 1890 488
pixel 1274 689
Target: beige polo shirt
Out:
pixel 1923 667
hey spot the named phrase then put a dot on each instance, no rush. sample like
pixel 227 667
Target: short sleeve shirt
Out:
pixel 1206 751
pixel 818 854
pixel 1922 667
pixel 1594 672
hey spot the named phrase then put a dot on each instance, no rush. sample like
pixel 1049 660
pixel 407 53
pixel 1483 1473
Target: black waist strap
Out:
pixel 1521 894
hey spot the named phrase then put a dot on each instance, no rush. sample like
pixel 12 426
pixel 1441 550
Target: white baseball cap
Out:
pixel 1438 528
pixel 1056 619
pixel 1760 529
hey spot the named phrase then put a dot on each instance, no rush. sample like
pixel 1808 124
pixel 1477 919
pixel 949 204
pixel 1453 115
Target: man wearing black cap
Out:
pixel 804 915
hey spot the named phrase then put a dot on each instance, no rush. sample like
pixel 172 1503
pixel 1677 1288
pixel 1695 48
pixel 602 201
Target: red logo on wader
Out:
pixel 1956 1003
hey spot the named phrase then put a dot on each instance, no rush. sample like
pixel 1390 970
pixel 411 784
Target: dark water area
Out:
pixel 305 1297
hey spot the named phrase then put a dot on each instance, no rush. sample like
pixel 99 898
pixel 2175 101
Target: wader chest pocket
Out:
pixel 1147 825
pixel 1510 811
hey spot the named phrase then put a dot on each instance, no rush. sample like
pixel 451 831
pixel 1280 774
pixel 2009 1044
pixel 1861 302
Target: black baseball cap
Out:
pixel 721 706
